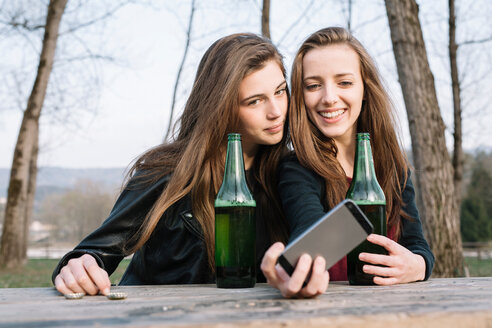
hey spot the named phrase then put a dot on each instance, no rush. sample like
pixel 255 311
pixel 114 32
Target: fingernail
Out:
pixel 105 291
pixel 362 256
pixel 305 258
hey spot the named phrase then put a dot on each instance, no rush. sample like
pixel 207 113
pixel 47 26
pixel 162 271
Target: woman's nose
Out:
pixel 275 108
pixel 329 96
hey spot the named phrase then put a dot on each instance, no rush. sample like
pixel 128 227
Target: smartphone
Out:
pixel 333 236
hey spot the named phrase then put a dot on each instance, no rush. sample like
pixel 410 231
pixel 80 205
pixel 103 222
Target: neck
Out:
pixel 346 153
pixel 249 153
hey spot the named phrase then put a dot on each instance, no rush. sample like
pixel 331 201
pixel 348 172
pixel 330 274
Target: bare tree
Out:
pixel 303 15
pixel 265 19
pixel 22 182
pixel 53 93
pixel 349 13
pixel 458 157
pixel 437 196
pixel 180 70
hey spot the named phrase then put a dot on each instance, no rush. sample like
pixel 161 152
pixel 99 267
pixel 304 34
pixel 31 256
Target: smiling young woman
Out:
pixel 337 92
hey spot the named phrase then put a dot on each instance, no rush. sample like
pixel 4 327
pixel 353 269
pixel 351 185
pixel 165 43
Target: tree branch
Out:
pixel 107 14
pixel 297 21
pixel 187 46
pixel 469 42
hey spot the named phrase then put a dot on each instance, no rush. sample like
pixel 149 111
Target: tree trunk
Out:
pixel 22 184
pixel 31 193
pixel 265 19
pixel 455 82
pixel 180 70
pixel 436 197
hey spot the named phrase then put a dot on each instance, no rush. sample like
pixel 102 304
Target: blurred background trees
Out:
pixel 76 212
pixel 476 206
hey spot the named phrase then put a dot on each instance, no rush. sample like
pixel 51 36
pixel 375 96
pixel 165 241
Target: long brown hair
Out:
pixel 195 159
pixel 318 152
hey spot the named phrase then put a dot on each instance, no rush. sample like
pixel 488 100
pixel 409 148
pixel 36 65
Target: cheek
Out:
pixel 247 121
pixel 309 100
pixel 285 106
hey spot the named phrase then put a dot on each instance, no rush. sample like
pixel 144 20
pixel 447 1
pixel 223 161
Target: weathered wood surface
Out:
pixel 452 302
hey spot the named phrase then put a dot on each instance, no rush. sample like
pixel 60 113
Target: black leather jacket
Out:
pixel 174 254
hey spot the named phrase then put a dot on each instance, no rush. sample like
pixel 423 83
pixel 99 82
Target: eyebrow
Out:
pixel 318 77
pixel 260 94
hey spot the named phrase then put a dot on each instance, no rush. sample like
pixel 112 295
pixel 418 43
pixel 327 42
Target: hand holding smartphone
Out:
pixel 332 236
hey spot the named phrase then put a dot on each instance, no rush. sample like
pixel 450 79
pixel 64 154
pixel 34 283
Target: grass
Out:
pixel 479 267
pixel 37 272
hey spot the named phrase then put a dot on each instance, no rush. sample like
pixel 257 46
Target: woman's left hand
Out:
pixel 400 265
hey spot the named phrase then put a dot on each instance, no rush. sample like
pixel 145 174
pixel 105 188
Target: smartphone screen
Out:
pixel 332 236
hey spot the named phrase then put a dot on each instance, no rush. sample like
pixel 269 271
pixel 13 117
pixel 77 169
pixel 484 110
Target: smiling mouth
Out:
pixel 334 114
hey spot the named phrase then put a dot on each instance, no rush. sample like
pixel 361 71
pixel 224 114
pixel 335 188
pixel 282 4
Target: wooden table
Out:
pixel 463 302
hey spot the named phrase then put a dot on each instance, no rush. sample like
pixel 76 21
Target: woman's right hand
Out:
pixel 82 275
pixel 292 286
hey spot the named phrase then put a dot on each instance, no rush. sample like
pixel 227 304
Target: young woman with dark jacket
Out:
pixel 165 214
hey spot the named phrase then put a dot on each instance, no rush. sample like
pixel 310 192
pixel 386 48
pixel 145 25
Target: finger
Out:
pixel 80 274
pixel 380 271
pixel 301 271
pixel 318 282
pixel 60 285
pixel 270 260
pixel 390 245
pixel 380 259
pixel 70 281
pixel 385 281
pixel 98 277
pixel 281 273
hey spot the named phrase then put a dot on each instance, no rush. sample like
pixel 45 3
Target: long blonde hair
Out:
pixel 195 159
pixel 318 152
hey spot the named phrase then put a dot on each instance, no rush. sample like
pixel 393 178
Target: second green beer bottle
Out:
pixel 366 192
pixel 235 223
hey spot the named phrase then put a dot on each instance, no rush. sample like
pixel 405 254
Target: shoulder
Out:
pixel 408 188
pixel 290 166
pixel 140 192
pixel 144 179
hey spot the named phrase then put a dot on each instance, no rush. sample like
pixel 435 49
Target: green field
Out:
pixel 37 273
pixel 479 267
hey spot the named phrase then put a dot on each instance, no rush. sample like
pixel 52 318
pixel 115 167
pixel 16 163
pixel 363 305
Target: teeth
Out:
pixel 332 114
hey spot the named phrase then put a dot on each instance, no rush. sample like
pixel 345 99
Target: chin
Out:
pixel 271 142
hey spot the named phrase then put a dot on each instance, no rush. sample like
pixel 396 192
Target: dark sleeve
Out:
pixel 107 243
pixel 412 236
pixel 301 191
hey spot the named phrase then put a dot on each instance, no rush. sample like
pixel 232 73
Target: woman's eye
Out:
pixel 280 92
pixel 313 86
pixel 346 83
pixel 253 102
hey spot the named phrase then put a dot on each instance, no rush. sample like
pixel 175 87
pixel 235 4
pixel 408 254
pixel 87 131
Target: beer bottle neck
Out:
pixel 365 187
pixel 364 163
pixel 234 187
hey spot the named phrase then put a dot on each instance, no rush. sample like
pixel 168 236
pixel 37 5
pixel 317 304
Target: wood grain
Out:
pixel 452 302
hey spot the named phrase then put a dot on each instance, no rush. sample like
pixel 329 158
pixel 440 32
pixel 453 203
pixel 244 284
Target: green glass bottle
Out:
pixel 235 223
pixel 366 192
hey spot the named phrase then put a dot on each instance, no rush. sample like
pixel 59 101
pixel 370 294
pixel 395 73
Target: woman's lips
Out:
pixel 276 128
pixel 332 116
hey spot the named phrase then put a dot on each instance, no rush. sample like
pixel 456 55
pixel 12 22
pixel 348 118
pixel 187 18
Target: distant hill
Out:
pixel 57 179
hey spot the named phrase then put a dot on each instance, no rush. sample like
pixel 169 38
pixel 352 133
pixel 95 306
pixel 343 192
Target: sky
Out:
pixel 127 110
